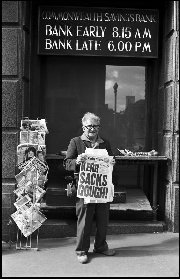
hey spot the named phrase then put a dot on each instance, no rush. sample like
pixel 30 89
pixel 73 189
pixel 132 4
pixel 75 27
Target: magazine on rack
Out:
pixel 31 166
pixel 22 201
pixel 24 137
pixel 41 166
pixel 19 192
pixel 28 173
pixel 39 193
pixel 28 219
pixel 21 148
pixel 32 137
pixel 34 125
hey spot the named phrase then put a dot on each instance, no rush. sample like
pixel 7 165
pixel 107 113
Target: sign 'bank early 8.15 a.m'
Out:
pixel 98 31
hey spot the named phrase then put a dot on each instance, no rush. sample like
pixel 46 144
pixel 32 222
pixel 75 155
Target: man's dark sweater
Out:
pixel 77 146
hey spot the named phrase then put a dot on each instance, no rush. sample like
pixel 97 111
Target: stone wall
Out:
pixel 168 105
pixel 13 61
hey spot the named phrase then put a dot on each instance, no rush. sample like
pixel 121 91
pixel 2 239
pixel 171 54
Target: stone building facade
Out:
pixel 16 53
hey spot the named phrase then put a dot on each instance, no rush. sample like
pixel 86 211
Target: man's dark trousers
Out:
pixel 85 214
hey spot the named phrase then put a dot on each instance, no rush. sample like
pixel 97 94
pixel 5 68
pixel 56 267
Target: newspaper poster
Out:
pixel 95 178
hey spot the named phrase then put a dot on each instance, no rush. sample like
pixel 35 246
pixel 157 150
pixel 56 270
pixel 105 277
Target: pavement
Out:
pixel 137 255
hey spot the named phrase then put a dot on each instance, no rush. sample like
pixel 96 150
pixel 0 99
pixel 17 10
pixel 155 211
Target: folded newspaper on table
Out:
pixel 95 177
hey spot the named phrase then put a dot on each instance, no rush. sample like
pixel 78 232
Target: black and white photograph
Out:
pixel 90 138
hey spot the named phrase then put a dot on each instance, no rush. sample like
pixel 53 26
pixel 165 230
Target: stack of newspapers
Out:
pixel 31 177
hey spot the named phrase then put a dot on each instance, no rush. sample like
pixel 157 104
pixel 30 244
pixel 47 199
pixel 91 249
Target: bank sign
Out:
pixel 98 32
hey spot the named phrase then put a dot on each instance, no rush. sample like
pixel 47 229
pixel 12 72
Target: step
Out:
pixel 136 207
pixel 70 213
pixel 67 228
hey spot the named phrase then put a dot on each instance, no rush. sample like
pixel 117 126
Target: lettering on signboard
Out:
pixel 98 33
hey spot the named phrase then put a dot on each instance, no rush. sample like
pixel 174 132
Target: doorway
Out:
pixel 69 88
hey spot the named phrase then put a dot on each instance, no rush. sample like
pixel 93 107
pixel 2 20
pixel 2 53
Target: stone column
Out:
pixel 168 104
pixel 13 74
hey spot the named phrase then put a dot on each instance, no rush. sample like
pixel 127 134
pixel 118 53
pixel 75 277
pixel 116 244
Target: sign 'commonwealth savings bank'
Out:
pixel 98 31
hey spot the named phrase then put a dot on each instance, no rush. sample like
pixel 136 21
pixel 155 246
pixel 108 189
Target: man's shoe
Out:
pixel 109 252
pixel 82 258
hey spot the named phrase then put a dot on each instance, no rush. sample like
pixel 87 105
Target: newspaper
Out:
pixel 42 180
pixel 28 219
pixel 28 173
pixel 95 177
pixel 32 176
pixel 32 170
pixel 40 166
pixel 22 201
pixel 39 193
pixel 19 192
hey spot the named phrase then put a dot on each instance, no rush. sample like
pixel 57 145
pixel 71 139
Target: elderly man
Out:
pixel 85 212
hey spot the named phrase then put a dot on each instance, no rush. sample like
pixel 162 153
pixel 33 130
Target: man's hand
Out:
pixel 81 158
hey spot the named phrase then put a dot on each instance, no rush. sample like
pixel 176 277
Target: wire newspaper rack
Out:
pixel 19 244
pixel 30 186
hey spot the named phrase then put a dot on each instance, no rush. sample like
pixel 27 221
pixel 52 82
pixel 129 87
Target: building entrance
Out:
pixel 71 86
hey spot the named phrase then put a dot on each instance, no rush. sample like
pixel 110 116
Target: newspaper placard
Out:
pixel 95 179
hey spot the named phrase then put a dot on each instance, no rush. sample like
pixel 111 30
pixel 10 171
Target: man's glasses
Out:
pixel 92 126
